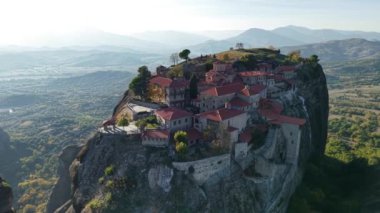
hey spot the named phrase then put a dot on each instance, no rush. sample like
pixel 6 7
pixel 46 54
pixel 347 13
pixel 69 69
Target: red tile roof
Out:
pixel 224 90
pixel 253 90
pixel 167 82
pixel 245 136
pixel 253 73
pixel 164 82
pixel 272 111
pixel 237 102
pixel 156 133
pixel 193 134
pixel 270 105
pixel 220 114
pixel 172 113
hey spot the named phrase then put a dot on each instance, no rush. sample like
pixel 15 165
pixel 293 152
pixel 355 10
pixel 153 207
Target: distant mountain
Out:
pixel 220 34
pixel 307 35
pixel 202 42
pixel 77 57
pixel 91 38
pixel 174 39
pixel 283 36
pixel 340 50
pixel 251 38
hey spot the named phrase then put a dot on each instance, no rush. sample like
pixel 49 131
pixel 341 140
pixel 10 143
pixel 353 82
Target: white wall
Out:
pixel 239 122
pixel 292 135
pixel 178 124
pixel 208 103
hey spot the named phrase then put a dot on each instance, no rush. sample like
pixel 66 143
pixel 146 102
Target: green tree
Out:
pixel 181 147
pixel 184 54
pixel 139 85
pixel 180 136
pixel 314 59
pixel 193 87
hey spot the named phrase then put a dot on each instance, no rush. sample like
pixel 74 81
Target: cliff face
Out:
pixel 61 192
pixel 8 158
pixel 116 173
pixel 312 87
pixel 6 197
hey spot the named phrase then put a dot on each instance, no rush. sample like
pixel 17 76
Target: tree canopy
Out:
pixel 184 54
pixel 139 85
pixel 180 136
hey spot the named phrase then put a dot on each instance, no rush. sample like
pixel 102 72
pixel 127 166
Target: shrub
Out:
pixel 101 180
pixel 181 147
pixel 100 203
pixel 150 121
pixel 180 136
pixel 110 184
pixel 123 122
pixel 109 170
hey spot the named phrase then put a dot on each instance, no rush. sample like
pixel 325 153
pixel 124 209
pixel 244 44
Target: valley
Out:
pixel 64 101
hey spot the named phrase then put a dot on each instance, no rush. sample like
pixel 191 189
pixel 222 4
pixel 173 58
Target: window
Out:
pixel 291 133
pixel 179 122
pixel 185 120
pixel 174 123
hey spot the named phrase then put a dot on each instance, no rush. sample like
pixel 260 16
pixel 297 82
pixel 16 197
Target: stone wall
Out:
pixel 201 170
pixel 241 150
pixel 155 142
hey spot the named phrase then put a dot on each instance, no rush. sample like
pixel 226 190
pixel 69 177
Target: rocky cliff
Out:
pixel 115 173
pixel 8 158
pixel 6 197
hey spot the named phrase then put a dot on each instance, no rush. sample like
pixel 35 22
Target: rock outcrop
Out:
pixel 8 158
pixel 6 197
pixel 312 87
pixel 116 173
pixel 62 190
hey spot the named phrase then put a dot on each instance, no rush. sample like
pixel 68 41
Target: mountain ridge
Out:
pixel 340 50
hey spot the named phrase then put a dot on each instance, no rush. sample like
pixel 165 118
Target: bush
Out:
pixel 181 147
pixel 150 122
pixel 109 170
pixel 180 136
pixel 100 203
pixel 110 184
pixel 123 122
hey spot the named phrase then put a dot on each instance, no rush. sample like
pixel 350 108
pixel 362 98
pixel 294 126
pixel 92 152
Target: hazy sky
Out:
pixel 22 19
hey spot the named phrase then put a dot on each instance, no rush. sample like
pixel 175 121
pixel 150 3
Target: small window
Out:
pixel 185 120
pixel 174 123
pixel 179 121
